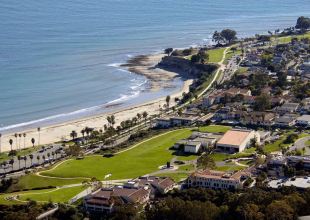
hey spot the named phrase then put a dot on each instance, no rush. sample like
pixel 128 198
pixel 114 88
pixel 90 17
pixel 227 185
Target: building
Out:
pixel 257 118
pixel 192 146
pixel 236 140
pixel 163 123
pixel 183 121
pixel 286 120
pixel 303 120
pixel 217 179
pixel 289 107
pixel 106 199
pixel 275 165
pixel 158 185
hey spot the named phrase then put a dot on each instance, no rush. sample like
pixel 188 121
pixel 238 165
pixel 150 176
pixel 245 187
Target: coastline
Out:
pixel 142 65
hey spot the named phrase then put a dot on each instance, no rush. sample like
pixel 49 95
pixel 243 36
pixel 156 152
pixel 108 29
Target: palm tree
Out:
pixel 73 134
pixel 11 162
pixel 48 155
pixel 38 158
pixel 16 135
pixel 4 163
pixel 53 154
pixel 19 139
pixel 0 142
pixel 168 100
pixel 31 158
pixel 145 114
pixel 83 133
pixel 25 159
pixel 19 159
pixel 11 143
pixel 43 157
pixel 24 134
pixel 139 116
pixel 33 141
pixel 39 129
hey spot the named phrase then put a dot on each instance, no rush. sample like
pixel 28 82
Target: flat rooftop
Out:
pixel 234 137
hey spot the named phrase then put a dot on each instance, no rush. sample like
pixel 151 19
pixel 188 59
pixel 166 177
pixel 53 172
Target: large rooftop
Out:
pixel 234 137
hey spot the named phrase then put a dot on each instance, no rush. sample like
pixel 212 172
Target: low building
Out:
pixel 217 179
pixel 192 147
pixel 258 118
pixel 303 161
pixel 275 165
pixel 264 136
pixel 285 121
pixel 159 185
pixel 289 107
pixel 105 200
pixel 303 120
pixel 183 121
pixel 163 123
pixel 236 140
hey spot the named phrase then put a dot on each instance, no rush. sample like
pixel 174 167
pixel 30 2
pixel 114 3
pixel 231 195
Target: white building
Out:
pixel 192 147
pixel 237 140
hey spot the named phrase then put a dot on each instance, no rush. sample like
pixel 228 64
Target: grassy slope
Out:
pixel 284 40
pixel 33 181
pixel 216 55
pixel 215 129
pixel 143 159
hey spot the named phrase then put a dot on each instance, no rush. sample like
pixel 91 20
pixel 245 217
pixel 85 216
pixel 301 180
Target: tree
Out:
pixel 39 133
pixel 168 51
pixel 16 143
pixel 217 37
pixel 25 160
pixel 168 100
pixel 303 23
pixel 24 135
pixel 144 115
pixel 38 158
pixel 31 158
pixel 73 135
pixel 19 158
pixel 33 141
pixel 205 162
pixel 279 210
pixel 11 162
pixel 0 142
pixel 11 143
pixel 262 102
pixel 229 35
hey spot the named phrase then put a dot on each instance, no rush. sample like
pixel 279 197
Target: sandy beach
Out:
pixel 143 65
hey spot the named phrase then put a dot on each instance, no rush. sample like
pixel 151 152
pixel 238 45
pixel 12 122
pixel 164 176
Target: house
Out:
pixel 217 179
pixel 183 121
pixel 258 118
pixel 275 165
pixel 303 161
pixel 106 199
pixel 163 123
pixel 159 185
pixel 303 120
pixel 192 146
pixel 264 136
pixel 285 121
pixel 236 140
pixel 288 107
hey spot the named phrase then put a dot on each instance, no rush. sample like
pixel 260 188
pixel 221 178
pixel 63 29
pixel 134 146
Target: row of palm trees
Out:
pixel 25 158
pixel 18 140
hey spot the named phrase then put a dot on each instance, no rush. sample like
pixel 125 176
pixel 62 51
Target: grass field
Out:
pixel 215 129
pixel 58 195
pixel 216 55
pixel 188 167
pixel 62 195
pixel 285 40
pixel 177 177
pixel 33 181
pixel 144 158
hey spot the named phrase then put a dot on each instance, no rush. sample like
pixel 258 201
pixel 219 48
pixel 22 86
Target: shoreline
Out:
pixel 159 79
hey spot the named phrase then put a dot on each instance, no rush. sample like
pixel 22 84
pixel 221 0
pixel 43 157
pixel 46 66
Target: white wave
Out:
pixel 115 64
pixel 124 97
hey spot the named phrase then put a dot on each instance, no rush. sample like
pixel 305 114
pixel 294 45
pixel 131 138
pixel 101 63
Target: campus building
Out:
pixel 217 179
pixel 236 140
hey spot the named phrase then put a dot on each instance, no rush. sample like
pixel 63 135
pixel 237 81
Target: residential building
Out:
pixel 192 146
pixel 258 118
pixel 286 120
pixel 163 123
pixel 288 107
pixel 217 179
pixel 303 120
pixel 236 140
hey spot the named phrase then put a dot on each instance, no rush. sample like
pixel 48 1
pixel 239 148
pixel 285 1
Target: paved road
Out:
pixel 300 144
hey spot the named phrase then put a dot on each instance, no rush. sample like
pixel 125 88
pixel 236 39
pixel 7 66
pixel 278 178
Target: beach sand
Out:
pixel 143 65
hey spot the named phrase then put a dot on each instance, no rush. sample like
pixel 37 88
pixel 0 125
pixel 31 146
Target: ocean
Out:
pixel 59 60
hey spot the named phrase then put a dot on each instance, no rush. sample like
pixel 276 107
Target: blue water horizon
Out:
pixel 59 59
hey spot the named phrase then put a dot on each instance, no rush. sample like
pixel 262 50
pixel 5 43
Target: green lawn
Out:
pixel 230 54
pixel 45 195
pixel 177 177
pixel 188 167
pixel 215 129
pixel 58 195
pixel 33 181
pixel 216 55
pixel 143 159
pixel 285 40
pixel 229 168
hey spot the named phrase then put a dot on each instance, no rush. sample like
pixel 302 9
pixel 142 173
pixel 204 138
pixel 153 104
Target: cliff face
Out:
pixel 185 67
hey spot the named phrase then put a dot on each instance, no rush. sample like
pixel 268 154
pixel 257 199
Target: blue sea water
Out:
pixel 58 59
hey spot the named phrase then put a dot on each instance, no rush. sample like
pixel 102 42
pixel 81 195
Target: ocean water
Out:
pixel 59 60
